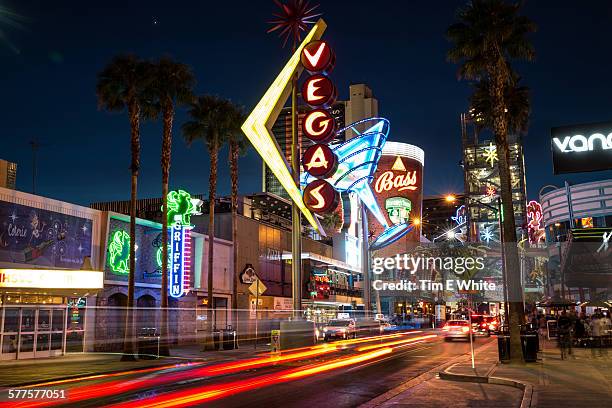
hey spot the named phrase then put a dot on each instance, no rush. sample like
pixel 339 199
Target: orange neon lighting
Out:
pixel 397 342
pixel 323 124
pixel 401 182
pixel 313 59
pixel 311 90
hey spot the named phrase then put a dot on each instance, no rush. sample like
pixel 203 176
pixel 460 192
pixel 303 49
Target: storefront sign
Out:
pixel 51 279
pixel 534 215
pixel 581 148
pixel 181 206
pixel 398 209
pixel 398 182
pixel 119 252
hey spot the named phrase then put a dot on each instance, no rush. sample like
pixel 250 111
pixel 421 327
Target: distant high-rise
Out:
pixel 8 174
pixel 361 105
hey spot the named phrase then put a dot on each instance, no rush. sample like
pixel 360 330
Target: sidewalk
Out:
pixel 583 380
pixel 72 365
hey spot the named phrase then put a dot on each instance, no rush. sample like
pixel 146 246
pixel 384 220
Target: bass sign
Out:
pixel 581 148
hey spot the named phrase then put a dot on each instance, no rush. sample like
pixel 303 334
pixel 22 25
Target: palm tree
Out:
pixel 173 85
pixel 211 120
pixel 238 146
pixel 490 34
pixel 122 85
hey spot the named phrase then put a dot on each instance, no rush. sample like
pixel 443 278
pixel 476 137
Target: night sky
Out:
pixel 398 48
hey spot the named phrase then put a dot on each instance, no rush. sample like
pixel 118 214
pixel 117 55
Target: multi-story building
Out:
pixel 8 174
pixel 481 182
pixel 578 225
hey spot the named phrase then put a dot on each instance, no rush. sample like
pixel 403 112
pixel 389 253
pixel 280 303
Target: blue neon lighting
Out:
pixel 357 161
pixel 177 261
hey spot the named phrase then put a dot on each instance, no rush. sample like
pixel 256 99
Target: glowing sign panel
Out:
pixel 319 126
pixel 119 252
pixel 319 90
pixel 318 56
pixel 320 161
pixel 51 279
pixel 321 197
pixel 179 257
pixel 534 215
pixel 389 181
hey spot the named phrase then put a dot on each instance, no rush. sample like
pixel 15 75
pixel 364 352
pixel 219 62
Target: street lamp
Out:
pixel 450 198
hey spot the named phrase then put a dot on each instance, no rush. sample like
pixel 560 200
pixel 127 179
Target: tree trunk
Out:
pixel 233 153
pixel 168 113
pixel 212 189
pixel 128 343
pixel 513 275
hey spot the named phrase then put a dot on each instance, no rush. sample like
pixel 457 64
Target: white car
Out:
pixel 339 329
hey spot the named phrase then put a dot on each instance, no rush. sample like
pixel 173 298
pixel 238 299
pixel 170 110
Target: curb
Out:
pixel 527 388
pixel 413 382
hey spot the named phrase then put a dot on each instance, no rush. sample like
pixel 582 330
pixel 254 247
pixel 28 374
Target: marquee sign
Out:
pixel 581 148
pixel 321 197
pixel 181 206
pixel 51 279
pixel 318 90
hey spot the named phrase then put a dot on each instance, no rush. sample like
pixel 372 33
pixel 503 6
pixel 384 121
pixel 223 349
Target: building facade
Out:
pixel 8 174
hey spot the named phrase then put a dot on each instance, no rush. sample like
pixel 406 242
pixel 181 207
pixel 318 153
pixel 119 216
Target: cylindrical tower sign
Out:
pixel 398 188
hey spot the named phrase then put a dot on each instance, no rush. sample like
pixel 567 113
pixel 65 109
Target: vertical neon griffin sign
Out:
pixel 180 209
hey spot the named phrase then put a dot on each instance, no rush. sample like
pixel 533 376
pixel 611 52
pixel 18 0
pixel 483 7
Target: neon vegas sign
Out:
pixel 580 143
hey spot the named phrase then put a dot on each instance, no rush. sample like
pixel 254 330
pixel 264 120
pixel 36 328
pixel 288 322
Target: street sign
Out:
pixel 257 288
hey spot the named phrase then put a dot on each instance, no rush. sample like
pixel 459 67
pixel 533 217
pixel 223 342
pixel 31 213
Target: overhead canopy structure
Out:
pixel 587 259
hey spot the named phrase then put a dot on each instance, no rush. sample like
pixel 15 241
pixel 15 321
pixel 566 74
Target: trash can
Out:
pixel 503 347
pixel 229 339
pixel 529 343
pixel 216 339
pixel 148 343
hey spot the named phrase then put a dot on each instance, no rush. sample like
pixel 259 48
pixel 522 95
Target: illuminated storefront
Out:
pixel 48 256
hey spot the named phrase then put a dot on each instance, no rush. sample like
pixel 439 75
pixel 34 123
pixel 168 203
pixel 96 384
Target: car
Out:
pixel 457 329
pixel 339 329
pixel 485 324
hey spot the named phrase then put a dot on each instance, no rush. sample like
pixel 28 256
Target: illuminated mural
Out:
pixel 534 227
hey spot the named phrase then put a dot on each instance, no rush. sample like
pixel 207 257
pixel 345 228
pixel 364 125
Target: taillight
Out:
pixel 483 325
pixel 465 329
pixel 491 327
pixel 445 328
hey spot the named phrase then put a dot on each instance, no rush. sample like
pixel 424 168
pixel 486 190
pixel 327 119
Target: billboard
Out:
pixel 581 148
pixel 34 236
pixel 398 188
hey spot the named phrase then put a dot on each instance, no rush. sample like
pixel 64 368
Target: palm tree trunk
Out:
pixel 233 153
pixel 128 343
pixel 165 166
pixel 212 189
pixel 513 276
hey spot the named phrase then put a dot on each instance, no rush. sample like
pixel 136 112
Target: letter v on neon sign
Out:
pixel 257 126
pixel 314 59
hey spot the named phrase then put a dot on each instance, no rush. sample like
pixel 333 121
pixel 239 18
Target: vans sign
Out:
pixel 581 148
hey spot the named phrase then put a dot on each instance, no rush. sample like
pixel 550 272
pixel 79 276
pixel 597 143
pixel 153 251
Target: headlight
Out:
pixel 325 330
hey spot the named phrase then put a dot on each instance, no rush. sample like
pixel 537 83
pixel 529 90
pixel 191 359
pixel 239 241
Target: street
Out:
pixel 346 373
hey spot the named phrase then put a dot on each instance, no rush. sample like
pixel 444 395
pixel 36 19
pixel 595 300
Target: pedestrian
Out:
pixel 579 330
pixel 564 328
pixel 596 334
pixel 542 327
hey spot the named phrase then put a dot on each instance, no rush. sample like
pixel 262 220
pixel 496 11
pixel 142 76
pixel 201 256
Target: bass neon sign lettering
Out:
pixel 580 143
pixel 388 181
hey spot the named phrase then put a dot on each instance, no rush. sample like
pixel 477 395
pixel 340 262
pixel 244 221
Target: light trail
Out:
pixel 397 342
pixel 210 392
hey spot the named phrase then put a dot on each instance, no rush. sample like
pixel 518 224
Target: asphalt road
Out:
pixel 334 375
